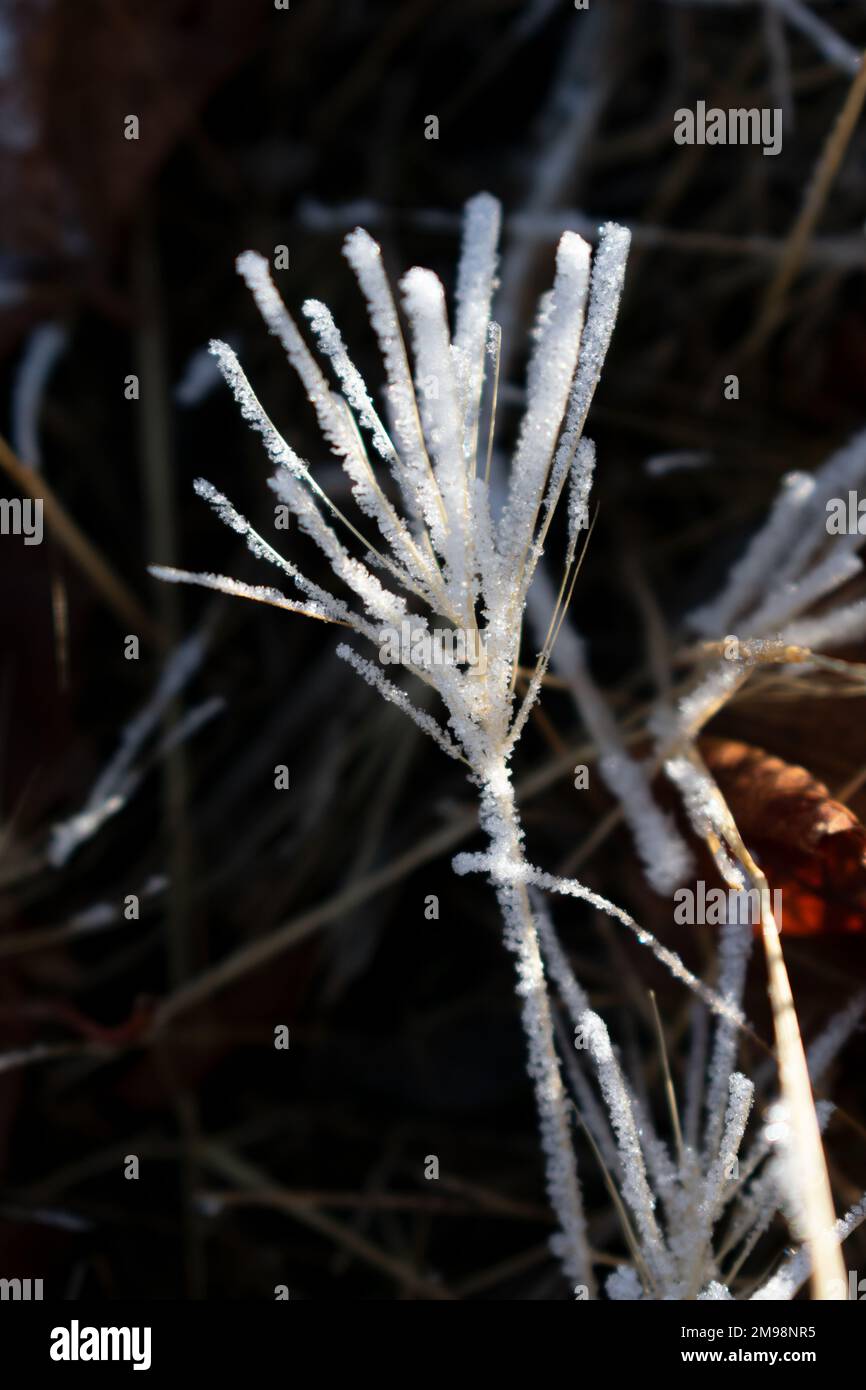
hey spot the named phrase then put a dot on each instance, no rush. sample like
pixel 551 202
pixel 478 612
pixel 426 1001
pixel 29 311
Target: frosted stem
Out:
pixel 499 816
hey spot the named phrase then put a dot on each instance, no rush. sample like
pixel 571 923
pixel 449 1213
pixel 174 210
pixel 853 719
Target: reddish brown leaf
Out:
pixel 810 846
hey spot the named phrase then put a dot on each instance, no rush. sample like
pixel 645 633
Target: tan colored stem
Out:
pixel 800 235
pixel 818 1214
pixel 828 1267
pixel 73 540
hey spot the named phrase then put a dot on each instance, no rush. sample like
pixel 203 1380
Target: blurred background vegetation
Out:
pixel 260 128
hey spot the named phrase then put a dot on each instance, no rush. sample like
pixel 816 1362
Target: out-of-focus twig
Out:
pixel 230 1166
pixel 79 548
pixel 772 306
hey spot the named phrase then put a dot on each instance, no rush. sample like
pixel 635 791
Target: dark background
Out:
pixel 261 128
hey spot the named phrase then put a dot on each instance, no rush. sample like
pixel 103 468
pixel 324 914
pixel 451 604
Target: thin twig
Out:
pixel 78 547
pixel 773 304
pixel 221 1160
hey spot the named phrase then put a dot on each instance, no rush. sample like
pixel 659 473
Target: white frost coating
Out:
pixel 259 593
pixel 498 819
pixel 664 1175
pixel 735 948
pixel 751 572
pixel 571 887
pixel 264 551
pixel 706 811
pixel 662 851
pixel 295 471
pixel 331 343
pixel 770 1191
pixel 682 1263
pixel 550 375
pixel 334 422
pixel 252 411
pixel 417 484
pixel 832 629
pixel 835 569
pixel 379 601
pixel 571 1243
pixel 714 1291
pixel 843 470
pixel 395 696
pixel 635 1188
pixel 792 561
pixel 580 1014
pixel 605 293
pixel 788 1281
pixel 573 996
pixel 256 274
pixel 702 702
pixel 424 300
pixel 740 1096
pixel 624 1285
pixel 116 782
pixel 580 486
pixel 476 278
pixel 824 1050
pixel 519 871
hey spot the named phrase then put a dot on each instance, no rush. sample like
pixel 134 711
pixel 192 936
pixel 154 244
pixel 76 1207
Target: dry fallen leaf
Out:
pixel 811 847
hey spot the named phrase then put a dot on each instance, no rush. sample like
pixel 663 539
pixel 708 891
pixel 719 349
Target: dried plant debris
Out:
pixel 813 848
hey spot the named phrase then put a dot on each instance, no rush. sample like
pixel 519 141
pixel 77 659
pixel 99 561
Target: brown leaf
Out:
pixel 810 846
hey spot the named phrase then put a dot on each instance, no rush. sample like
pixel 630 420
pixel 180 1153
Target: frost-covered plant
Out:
pixel 778 608
pixel 447 559
pixel 693 1211
pixel 443 555
pixel 793 562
